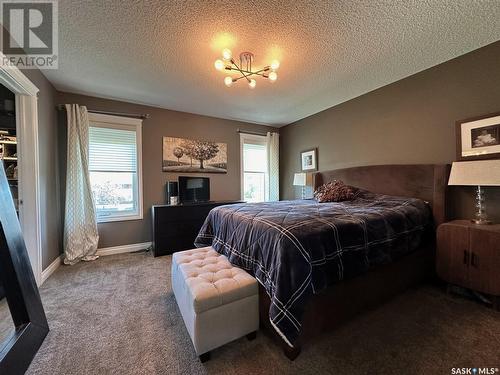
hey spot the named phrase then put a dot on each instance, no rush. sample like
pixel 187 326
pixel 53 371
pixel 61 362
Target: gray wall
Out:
pixel 164 122
pixel 409 121
pixel 49 177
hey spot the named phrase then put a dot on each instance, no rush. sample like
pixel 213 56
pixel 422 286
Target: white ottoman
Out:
pixel 218 301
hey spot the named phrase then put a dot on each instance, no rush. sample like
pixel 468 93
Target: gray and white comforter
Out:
pixel 298 248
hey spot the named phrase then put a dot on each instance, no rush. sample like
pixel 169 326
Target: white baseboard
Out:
pixel 51 268
pixel 123 249
pixel 101 252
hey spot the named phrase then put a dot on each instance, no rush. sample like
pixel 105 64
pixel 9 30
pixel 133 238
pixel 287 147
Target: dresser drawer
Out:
pixel 175 227
pixel 170 244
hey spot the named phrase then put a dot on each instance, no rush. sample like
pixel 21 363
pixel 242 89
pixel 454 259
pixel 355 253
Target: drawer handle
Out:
pixel 466 257
pixel 474 260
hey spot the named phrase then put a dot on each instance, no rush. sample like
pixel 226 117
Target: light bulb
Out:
pixel 275 64
pixel 252 83
pixel 219 64
pixel 228 81
pixel 273 76
pixel 226 53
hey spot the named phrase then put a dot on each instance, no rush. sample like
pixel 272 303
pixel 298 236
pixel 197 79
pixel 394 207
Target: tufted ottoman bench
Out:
pixel 218 301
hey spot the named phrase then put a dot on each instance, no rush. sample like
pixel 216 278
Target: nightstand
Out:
pixel 468 255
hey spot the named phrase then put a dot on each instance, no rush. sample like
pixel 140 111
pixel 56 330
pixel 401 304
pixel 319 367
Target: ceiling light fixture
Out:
pixel 245 68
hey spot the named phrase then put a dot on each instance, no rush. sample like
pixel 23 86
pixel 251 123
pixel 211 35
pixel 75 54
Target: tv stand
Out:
pixel 175 227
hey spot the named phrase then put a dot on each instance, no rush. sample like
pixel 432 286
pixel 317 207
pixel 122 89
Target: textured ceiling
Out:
pixel 161 53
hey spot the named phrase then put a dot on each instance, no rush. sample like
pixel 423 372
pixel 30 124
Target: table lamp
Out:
pixel 303 180
pixel 476 173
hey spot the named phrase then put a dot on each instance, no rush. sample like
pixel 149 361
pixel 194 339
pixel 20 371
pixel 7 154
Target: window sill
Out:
pixel 112 219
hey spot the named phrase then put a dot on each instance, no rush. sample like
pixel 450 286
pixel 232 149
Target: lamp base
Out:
pixel 481 222
pixel 481 217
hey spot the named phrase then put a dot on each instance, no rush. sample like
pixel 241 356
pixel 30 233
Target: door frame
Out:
pixel 28 164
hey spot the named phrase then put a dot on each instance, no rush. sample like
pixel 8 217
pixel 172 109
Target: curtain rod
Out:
pixel 143 116
pixel 250 132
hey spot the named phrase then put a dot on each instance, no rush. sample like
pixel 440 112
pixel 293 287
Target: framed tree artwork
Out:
pixel 187 155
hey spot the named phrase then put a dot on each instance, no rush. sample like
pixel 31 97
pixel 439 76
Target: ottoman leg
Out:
pixel 204 357
pixel 252 336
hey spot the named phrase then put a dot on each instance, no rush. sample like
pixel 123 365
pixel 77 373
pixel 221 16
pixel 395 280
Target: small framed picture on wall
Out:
pixel 309 160
pixel 478 137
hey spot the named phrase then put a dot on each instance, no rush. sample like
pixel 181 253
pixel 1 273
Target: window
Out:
pixel 254 168
pixel 259 167
pixel 115 167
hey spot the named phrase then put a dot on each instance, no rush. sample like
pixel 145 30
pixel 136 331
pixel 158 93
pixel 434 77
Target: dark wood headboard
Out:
pixel 424 181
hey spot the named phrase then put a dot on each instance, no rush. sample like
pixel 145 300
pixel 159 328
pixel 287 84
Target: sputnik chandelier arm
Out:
pixel 244 73
pixel 245 68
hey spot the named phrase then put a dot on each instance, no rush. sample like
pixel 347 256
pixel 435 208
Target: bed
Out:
pixel 320 263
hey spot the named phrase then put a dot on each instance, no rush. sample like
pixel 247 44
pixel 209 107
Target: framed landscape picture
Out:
pixel 478 137
pixel 308 160
pixel 186 155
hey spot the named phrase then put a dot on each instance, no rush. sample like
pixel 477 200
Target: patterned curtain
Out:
pixel 273 165
pixel 80 224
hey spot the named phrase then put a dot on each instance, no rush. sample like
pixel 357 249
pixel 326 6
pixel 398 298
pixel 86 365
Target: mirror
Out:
pixel 22 298
pixel 6 324
pixel 8 148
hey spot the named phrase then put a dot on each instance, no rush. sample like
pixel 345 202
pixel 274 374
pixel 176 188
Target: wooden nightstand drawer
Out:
pixel 484 270
pixel 452 253
pixel 469 255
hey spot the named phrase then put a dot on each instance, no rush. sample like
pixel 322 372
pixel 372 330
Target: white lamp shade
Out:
pixel 475 173
pixel 299 179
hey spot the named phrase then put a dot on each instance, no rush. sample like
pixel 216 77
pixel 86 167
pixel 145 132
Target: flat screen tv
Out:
pixel 194 189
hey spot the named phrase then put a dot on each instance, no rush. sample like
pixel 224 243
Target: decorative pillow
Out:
pixel 334 191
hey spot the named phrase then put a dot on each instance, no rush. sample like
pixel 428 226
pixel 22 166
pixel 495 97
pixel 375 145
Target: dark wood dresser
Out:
pixel 469 255
pixel 175 227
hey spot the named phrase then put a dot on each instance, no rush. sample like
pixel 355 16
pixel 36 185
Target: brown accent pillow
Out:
pixel 334 191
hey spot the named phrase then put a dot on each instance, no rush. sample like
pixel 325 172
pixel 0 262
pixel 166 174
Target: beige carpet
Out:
pixel 7 328
pixel 118 316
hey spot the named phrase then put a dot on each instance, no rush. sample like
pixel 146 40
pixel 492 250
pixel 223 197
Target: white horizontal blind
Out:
pixel 254 158
pixel 112 150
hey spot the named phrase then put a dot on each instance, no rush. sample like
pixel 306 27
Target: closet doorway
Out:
pixel 8 140
pixel 25 156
